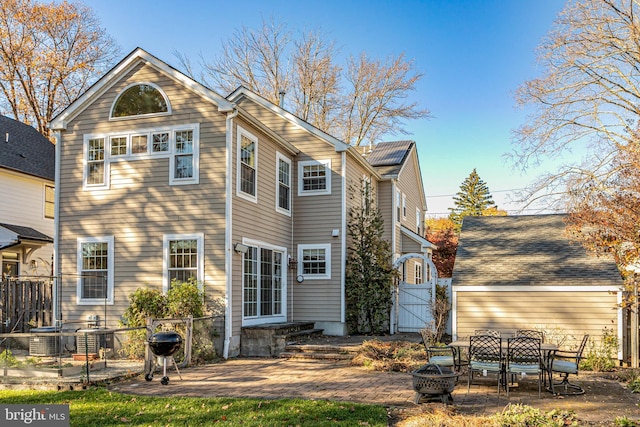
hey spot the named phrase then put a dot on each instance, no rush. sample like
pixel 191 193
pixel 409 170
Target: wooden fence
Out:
pixel 25 303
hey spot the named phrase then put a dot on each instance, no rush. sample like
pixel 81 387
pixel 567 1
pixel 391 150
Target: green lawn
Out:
pixel 97 407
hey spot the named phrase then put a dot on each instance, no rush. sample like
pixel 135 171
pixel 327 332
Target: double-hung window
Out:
pixel 314 261
pixel 49 201
pixel 314 177
pixel 183 164
pixel 283 190
pixel 95 270
pixel 96 169
pixel 247 182
pixel 183 258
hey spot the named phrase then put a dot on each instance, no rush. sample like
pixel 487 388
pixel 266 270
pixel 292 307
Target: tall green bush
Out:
pixel 183 299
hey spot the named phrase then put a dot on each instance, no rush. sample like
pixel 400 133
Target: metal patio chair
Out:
pixel 531 333
pixel 565 363
pixel 524 358
pixel 485 355
pixel 490 332
pixel 442 356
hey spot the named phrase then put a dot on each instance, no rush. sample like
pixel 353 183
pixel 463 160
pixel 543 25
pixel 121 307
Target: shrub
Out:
pixel 599 356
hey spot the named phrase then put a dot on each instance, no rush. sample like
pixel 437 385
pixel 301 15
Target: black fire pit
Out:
pixel 164 345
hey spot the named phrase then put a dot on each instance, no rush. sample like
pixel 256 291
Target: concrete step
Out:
pixel 304 335
pixel 319 351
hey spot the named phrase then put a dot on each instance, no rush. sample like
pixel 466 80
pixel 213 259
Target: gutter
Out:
pixel 56 225
pixel 228 250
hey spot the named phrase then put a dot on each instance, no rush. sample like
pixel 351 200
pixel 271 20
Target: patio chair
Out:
pixel 485 355
pixel 491 332
pixel 524 358
pixel 565 363
pixel 442 356
pixel 531 333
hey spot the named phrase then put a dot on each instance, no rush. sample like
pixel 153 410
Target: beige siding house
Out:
pixel 522 272
pixel 161 179
pixel 27 164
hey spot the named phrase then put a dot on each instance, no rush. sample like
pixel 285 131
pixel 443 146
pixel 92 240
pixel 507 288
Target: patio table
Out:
pixel 547 349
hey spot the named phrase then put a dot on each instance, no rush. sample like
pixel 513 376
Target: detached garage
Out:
pixel 523 272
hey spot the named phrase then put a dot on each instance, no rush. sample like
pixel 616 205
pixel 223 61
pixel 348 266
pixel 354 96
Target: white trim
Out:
pixel 535 288
pixel 85 163
pixel 242 91
pixel 166 238
pixel 156 87
pixel 44 201
pixel 397 212
pixel 195 179
pixel 228 263
pixel 285 159
pixel 343 239
pixel 109 240
pixel 327 254
pixel 136 57
pixel 328 174
pixel 418 220
pixel 277 318
pixel 404 206
pixel 240 133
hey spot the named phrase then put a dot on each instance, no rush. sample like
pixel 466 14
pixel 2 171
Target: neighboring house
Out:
pixel 27 164
pixel 161 178
pixel 523 272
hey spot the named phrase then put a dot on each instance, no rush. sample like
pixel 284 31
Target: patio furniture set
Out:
pixel 523 355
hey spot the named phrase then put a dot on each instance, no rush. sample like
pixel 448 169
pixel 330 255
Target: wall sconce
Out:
pixel 335 232
pixel 240 248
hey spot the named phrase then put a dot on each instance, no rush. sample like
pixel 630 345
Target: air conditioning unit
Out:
pixel 44 345
pixel 92 340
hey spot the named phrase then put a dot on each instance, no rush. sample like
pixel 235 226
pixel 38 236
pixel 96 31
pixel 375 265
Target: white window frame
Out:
pixel 418 274
pixel 109 240
pixel 195 179
pixel 418 223
pixel 104 185
pixel 282 317
pixel 398 206
pixel 404 206
pixel 166 238
pixel 282 158
pixel 327 166
pixel 240 133
pixel 327 254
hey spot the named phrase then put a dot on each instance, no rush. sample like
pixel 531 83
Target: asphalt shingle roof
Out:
pixel 527 250
pixel 24 149
pixel 27 233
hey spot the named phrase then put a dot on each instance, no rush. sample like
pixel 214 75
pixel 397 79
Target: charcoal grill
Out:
pixel 433 381
pixel 164 345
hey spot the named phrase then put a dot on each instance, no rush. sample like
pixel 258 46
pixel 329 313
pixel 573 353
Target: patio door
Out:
pixel 263 284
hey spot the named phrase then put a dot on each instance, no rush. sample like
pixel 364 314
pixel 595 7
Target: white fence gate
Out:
pixel 414 306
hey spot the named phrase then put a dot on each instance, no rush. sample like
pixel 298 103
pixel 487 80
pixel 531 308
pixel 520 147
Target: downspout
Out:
pixel 343 241
pixel 56 223
pixel 228 250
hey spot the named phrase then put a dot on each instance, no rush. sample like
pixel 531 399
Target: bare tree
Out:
pixel 254 59
pixel 315 80
pixel 49 54
pixel 365 102
pixel 588 95
pixel 374 103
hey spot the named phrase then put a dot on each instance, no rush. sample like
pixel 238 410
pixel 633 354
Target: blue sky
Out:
pixel 473 54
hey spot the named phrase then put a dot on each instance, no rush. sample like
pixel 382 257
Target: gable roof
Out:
pixel 17 234
pixel 243 92
pixel 527 250
pixel 137 56
pixel 24 149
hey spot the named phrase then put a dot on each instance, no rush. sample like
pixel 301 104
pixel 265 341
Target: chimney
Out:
pixel 282 94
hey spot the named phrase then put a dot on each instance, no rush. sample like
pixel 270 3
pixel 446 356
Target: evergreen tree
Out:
pixel 370 275
pixel 472 199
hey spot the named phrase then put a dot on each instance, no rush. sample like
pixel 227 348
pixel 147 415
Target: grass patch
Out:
pixel 99 407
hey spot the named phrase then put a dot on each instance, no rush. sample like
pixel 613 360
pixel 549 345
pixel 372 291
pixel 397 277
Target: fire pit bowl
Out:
pixel 164 345
pixel 434 381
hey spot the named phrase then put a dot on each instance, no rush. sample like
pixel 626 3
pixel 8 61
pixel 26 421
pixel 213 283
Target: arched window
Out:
pixel 139 99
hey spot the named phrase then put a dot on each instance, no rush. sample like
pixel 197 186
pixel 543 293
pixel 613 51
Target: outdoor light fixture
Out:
pixel 240 248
